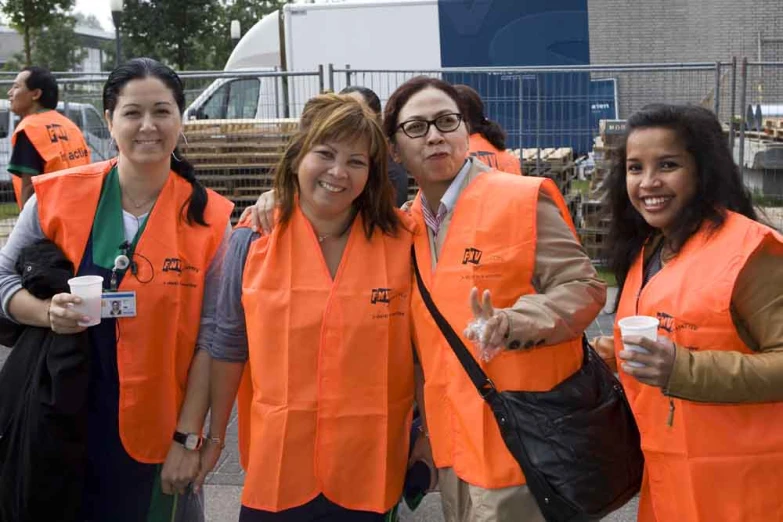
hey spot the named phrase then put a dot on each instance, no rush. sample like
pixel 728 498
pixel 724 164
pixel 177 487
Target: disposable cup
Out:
pixel 89 288
pixel 641 326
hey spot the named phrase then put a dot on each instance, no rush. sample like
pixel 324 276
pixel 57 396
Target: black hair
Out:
pixel 139 69
pixel 370 98
pixel 406 91
pixel 719 184
pixel 477 122
pixel 41 78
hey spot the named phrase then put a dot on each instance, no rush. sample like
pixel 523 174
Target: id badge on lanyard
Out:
pixel 116 304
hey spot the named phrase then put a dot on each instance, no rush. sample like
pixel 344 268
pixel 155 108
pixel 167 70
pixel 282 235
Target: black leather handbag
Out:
pixel 577 444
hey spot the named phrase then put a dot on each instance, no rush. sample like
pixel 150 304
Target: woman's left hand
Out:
pixel 180 469
pixel 497 328
pixel 658 364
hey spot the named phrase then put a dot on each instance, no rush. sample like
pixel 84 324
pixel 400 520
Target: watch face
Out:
pixel 192 441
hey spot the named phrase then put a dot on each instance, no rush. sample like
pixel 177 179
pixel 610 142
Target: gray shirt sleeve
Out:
pixel 230 339
pixel 206 330
pixel 26 232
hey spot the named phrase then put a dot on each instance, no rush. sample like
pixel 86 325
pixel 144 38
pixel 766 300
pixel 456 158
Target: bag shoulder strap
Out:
pixel 480 379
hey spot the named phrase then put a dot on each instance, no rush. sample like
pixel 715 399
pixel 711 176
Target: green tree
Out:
pixel 55 47
pixel 27 16
pixel 173 31
pixel 88 21
pixel 248 12
pixel 188 34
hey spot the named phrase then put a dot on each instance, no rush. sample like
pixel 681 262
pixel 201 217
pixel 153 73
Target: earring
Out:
pixel 175 157
pixel 184 138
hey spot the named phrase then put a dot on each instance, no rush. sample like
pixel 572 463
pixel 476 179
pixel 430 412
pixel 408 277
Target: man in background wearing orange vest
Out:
pixel 45 140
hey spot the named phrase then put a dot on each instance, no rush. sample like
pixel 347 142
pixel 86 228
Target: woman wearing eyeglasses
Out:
pixel 489 239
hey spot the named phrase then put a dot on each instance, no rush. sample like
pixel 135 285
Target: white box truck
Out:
pixel 391 35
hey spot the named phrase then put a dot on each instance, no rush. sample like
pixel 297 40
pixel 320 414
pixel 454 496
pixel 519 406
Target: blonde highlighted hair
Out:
pixel 335 118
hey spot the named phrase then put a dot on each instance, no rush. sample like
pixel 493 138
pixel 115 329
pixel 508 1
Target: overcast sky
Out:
pixel 100 8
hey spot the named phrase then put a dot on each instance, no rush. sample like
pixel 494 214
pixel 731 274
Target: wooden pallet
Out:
pixel 551 155
pixel 237 158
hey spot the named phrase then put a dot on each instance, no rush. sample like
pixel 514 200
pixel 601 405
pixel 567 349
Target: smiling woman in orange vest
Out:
pixel 487 138
pixel 688 249
pixel 512 238
pixel 45 140
pixel 155 235
pixel 317 314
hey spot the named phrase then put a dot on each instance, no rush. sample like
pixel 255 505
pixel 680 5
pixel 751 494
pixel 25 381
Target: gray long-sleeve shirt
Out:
pixel 28 230
pixel 230 340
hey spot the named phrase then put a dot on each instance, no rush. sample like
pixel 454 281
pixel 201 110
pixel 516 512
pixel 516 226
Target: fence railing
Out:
pixel 541 108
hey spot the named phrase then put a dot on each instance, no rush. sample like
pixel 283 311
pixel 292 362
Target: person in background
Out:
pixel 44 140
pixel 487 138
pixel 689 249
pixel 397 174
pixel 148 386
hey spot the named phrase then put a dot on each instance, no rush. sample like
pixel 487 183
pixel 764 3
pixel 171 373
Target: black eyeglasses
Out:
pixel 418 128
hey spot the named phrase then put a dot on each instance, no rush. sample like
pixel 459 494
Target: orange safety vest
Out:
pixel 56 138
pixel 491 246
pixel 331 366
pixel 156 347
pixel 484 151
pixel 716 462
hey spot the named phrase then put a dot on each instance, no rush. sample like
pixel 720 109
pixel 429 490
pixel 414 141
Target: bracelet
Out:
pixel 215 440
pixel 49 315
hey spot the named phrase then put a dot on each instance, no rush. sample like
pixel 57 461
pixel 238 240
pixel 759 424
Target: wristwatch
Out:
pixel 191 441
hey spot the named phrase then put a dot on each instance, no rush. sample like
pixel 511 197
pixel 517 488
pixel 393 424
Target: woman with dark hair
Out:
pixel 496 247
pixel 688 248
pixel 156 236
pixel 318 313
pixel 397 174
pixel 487 138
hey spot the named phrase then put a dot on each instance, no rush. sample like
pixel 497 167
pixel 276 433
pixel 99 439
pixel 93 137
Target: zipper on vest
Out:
pixel 670 418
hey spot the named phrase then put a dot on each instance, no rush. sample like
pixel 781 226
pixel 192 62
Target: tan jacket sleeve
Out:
pixel 733 377
pixel 570 295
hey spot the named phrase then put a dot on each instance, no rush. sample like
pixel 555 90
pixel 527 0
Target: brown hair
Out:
pixel 477 121
pixel 332 117
pixel 404 93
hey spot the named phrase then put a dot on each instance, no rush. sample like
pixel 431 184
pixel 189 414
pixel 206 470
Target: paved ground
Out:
pixel 223 487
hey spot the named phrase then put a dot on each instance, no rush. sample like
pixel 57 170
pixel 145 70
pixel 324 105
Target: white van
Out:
pixel 391 34
pixel 84 115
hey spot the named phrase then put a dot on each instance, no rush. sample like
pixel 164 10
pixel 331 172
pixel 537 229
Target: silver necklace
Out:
pixel 138 205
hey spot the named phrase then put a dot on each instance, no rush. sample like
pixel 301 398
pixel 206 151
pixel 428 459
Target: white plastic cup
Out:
pixel 641 326
pixel 89 288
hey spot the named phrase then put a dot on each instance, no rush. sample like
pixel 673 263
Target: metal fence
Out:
pixel 758 146
pixel 543 109
pixel 559 106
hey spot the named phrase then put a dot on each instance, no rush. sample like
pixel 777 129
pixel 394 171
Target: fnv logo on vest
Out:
pixel 175 264
pixel 472 256
pixel 666 321
pixel 56 132
pixel 381 295
pixel 172 264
